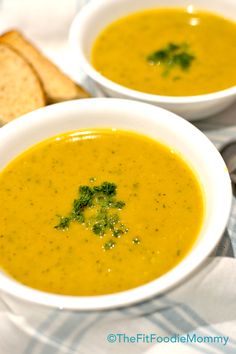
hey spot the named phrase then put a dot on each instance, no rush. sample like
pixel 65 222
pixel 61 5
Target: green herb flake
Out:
pixel 92 179
pixel 136 240
pixel 119 204
pixel 63 223
pixel 109 245
pixel 173 55
pixel 98 229
pixel 117 233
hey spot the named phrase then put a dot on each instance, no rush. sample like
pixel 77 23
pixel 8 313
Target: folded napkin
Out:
pixel 199 316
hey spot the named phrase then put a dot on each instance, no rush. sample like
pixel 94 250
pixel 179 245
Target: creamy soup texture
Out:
pixel 97 212
pixel 168 52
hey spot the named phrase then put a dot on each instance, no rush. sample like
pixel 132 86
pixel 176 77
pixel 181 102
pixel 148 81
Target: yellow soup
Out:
pixel 97 212
pixel 168 52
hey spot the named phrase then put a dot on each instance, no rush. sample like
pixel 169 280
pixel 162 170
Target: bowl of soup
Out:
pixel 107 202
pixel 177 56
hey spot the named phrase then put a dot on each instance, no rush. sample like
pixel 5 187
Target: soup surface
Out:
pixel 97 212
pixel 168 52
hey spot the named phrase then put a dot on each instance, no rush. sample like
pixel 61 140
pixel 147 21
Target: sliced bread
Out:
pixel 20 88
pixel 57 86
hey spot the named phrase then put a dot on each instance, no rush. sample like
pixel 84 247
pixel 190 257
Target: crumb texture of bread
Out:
pixel 20 88
pixel 57 86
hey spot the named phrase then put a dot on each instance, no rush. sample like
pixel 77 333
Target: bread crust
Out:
pixel 20 88
pixel 57 86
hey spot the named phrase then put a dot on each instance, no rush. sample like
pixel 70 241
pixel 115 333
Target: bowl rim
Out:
pixel 192 261
pixel 75 43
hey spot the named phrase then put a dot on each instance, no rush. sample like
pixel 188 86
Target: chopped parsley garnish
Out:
pixel 173 55
pixel 100 199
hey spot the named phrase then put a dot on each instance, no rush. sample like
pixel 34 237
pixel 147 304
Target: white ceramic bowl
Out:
pixel 149 120
pixel 98 14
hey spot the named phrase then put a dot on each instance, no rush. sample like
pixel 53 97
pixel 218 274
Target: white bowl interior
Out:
pixel 146 119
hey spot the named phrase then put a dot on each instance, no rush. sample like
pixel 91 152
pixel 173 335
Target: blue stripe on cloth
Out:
pixel 150 317
pixel 77 338
pixel 170 314
pixel 200 322
pixel 206 328
pixel 64 330
pixel 167 312
pixel 157 318
pixel 153 312
pixel 76 334
pixel 41 330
